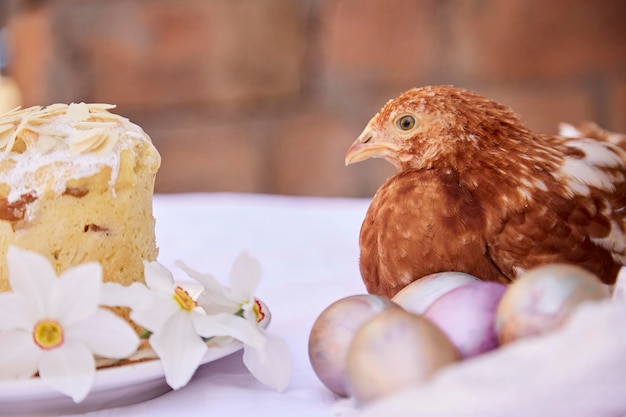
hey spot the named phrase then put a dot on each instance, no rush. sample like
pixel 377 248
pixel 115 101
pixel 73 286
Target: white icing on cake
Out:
pixel 71 141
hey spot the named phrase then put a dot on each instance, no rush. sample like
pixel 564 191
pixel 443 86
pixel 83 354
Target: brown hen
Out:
pixel 478 192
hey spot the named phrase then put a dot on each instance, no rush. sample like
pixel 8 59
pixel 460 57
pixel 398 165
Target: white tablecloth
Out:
pixel 308 248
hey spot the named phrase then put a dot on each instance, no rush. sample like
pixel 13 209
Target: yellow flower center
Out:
pixel 183 299
pixel 258 311
pixel 48 334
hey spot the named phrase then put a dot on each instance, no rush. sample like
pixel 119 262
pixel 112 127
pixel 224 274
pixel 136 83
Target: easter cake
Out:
pixel 76 185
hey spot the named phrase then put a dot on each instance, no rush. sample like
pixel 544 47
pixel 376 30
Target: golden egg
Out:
pixel 392 351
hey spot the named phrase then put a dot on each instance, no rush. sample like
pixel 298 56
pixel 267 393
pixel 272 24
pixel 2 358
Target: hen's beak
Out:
pixel 367 145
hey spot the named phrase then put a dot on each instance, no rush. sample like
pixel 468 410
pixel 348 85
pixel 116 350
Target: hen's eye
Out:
pixel 406 122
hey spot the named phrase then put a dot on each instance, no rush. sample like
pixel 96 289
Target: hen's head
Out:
pixel 435 126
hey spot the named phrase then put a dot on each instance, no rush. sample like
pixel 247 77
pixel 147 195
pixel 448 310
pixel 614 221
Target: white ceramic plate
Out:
pixel 113 387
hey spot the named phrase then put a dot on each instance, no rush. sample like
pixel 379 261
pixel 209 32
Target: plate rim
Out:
pixel 107 377
pixel 16 391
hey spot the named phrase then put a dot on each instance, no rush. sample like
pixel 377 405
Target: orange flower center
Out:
pixel 258 311
pixel 48 334
pixel 183 299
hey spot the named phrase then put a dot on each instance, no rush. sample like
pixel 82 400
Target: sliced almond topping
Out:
pixel 56 107
pixel 43 130
pixel 96 130
pixel 18 111
pixel 86 140
pixel 106 115
pixel 10 143
pixel 110 138
pixel 54 110
pixel 38 120
pixel 100 106
pixel 5 135
pixel 78 112
pixel 46 143
pixel 10 112
pixel 5 127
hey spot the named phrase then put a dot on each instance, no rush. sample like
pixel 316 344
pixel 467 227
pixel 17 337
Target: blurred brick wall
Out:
pixel 267 95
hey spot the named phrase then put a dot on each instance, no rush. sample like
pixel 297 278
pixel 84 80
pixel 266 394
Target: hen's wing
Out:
pixel 422 222
pixel 591 130
pixel 578 216
pixel 555 229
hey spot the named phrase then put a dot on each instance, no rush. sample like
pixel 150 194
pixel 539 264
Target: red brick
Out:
pixel 155 53
pixel 31 54
pixel 208 157
pixel 543 107
pixel 367 42
pixel 535 38
pixel 617 106
pixel 309 154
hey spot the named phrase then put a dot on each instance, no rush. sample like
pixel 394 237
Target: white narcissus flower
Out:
pixel 176 324
pixel 179 325
pixel 54 326
pixel 265 355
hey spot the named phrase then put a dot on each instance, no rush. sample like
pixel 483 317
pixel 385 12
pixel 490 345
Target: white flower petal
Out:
pixel 77 293
pixel 69 369
pixel 16 313
pixel 31 276
pixel 19 356
pixel 215 298
pixel 272 364
pixel 208 281
pixel 179 348
pixel 245 277
pixel 228 325
pixel 105 334
pixel 153 315
pixel 214 303
pixel 158 278
pixel 133 296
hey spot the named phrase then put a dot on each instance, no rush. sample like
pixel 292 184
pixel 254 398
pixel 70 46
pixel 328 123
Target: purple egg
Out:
pixel 467 316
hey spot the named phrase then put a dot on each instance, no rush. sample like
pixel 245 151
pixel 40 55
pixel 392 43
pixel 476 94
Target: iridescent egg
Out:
pixel 333 331
pixel 420 294
pixel 542 300
pixel 467 316
pixel 393 350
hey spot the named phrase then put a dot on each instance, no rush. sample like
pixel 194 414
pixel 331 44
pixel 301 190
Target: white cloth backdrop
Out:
pixel 308 248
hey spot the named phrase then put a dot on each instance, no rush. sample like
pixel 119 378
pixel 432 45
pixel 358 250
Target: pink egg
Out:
pixel 333 332
pixel 467 316
pixel 420 294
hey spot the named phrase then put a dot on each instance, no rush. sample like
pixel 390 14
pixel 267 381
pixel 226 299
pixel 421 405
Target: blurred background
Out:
pixel 266 96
